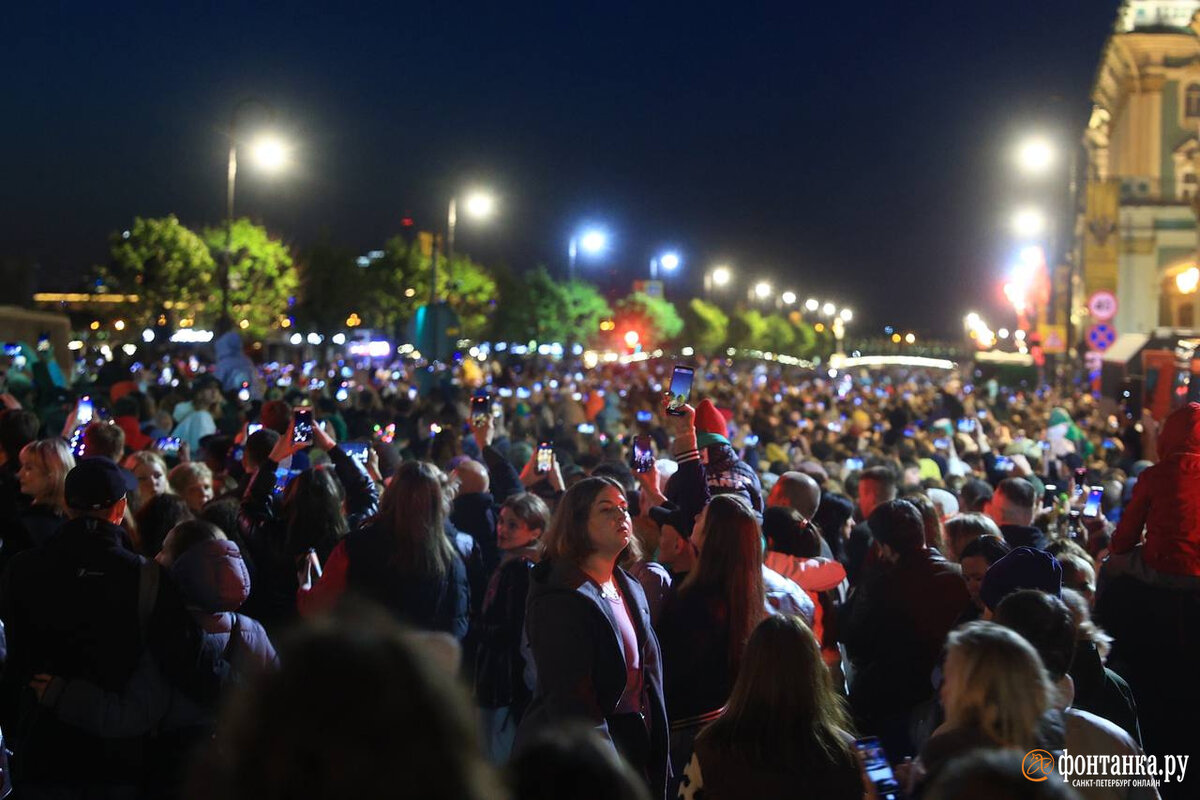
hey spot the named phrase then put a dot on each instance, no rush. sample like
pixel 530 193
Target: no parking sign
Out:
pixel 1100 337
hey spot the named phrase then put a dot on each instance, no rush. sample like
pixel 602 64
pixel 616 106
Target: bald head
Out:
pixel 796 491
pixel 472 477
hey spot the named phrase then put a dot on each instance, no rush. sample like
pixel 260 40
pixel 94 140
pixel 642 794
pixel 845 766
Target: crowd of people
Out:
pixel 341 578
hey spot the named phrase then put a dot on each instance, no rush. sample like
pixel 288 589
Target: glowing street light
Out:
pixel 592 241
pixel 812 304
pixel 910 338
pixel 480 205
pixel 1035 156
pixel 721 276
pixel 269 152
pixel 828 309
pixel 1188 280
pixel 669 261
pixel 762 290
pixel 845 315
pixel 788 298
pixel 1029 222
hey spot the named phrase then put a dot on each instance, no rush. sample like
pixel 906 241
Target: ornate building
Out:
pixel 1143 150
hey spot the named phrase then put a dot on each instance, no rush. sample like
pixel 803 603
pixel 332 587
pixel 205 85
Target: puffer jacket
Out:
pixel 1166 500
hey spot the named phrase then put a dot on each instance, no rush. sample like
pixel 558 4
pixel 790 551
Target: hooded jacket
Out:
pixel 1166 500
pixel 725 473
pixel 233 367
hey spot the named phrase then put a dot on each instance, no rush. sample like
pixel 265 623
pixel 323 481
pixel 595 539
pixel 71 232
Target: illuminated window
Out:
pixel 1192 100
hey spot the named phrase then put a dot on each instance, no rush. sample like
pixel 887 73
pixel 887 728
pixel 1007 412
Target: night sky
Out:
pixel 858 152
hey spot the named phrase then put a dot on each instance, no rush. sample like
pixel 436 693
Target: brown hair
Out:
pixel 783 713
pixel 529 509
pixel 415 510
pixel 55 457
pixel 730 566
pixel 567 538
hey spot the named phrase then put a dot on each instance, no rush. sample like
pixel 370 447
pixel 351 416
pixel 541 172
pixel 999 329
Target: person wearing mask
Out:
pixel 151 473
pixel 401 559
pixel 86 607
pixel 784 732
pixel 285 532
pixel 193 481
pixel 595 654
pixel 894 624
pixel 994 692
pixel 500 687
pixel 708 619
pixel 1013 507
pixel 43 475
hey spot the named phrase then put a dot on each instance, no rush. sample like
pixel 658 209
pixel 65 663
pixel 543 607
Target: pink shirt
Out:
pixel 631 698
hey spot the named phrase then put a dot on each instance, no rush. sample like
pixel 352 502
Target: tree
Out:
pixel 747 329
pixel 332 285
pixel 583 309
pixel 706 326
pixel 535 307
pixel 806 340
pixel 166 265
pixel 263 280
pixel 655 319
pixel 778 335
pixel 471 291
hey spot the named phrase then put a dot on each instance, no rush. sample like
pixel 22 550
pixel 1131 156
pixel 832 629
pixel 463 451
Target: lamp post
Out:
pixel 270 154
pixel 478 205
pixel 718 278
pixel 592 241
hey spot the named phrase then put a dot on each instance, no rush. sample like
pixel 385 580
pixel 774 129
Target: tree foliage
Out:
pixel 166 265
pixel 747 329
pixel 263 279
pixel 536 307
pixel 778 335
pixel 706 326
pixel 655 319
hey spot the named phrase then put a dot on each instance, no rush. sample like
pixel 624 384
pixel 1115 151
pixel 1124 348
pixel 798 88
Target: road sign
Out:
pixel 1054 338
pixel 1100 337
pixel 1102 305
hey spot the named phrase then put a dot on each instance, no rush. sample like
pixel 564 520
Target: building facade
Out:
pixel 1138 232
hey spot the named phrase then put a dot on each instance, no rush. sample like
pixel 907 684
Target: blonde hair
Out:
pixel 55 458
pixel 187 473
pixel 996 684
pixel 150 459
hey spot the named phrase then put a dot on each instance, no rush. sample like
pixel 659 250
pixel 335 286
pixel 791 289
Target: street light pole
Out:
pixel 572 251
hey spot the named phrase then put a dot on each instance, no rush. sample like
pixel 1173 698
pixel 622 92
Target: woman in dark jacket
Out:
pixel 588 626
pixel 42 476
pixel 500 687
pixel 313 513
pixel 403 560
pixel 706 623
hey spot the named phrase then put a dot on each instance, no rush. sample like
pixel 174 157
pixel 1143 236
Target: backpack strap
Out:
pixel 147 593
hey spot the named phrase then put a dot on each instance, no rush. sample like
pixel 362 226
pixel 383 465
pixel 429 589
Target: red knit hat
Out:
pixel 710 425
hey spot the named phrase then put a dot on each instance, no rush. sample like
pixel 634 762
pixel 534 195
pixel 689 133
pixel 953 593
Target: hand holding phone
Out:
pixel 168 445
pixel 545 458
pixel 302 426
pixel 1091 508
pixel 642 459
pixel 680 390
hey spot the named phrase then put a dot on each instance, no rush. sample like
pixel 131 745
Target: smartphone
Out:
pixel 586 428
pixel 283 476
pixel 644 416
pixel 12 349
pixel 1003 464
pixel 681 389
pixel 168 445
pixel 751 440
pixel 966 425
pixel 386 434
pixel 253 428
pixel 852 465
pixel 86 410
pixel 302 426
pixel 480 409
pixel 981 413
pixel 545 457
pixel 836 427
pixel 43 343
pixel 1080 480
pixel 1091 508
pixel 643 453
pixel 941 443
pixel 356 450
pixel 878 770
pixel 244 392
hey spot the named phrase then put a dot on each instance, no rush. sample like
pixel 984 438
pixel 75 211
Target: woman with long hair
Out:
pixel 151 472
pixel 706 623
pixel 287 530
pixel 784 732
pixel 588 625
pixel 42 477
pixel 995 692
pixel 402 559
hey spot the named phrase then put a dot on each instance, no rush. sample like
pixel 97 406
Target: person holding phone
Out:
pixel 784 731
pixel 286 533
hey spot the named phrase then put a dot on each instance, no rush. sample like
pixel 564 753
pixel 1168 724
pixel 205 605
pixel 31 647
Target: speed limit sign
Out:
pixel 1102 305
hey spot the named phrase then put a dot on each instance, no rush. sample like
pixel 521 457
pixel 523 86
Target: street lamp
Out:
pixel 828 310
pixel 479 205
pixel 1029 222
pixel 788 298
pixel 668 260
pixel 762 290
pixel 718 277
pixel 592 241
pixel 1035 155
pixel 812 304
pixel 845 315
pixel 268 152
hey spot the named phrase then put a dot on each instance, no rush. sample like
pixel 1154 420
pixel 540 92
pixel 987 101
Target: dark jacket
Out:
pixel 40 523
pixel 726 474
pixel 71 609
pixel 1024 536
pixel 475 514
pixel 423 601
pixel 264 530
pixel 580 662
pixel 1103 692
pixel 499 663
pixel 694 634
pixel 894 626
